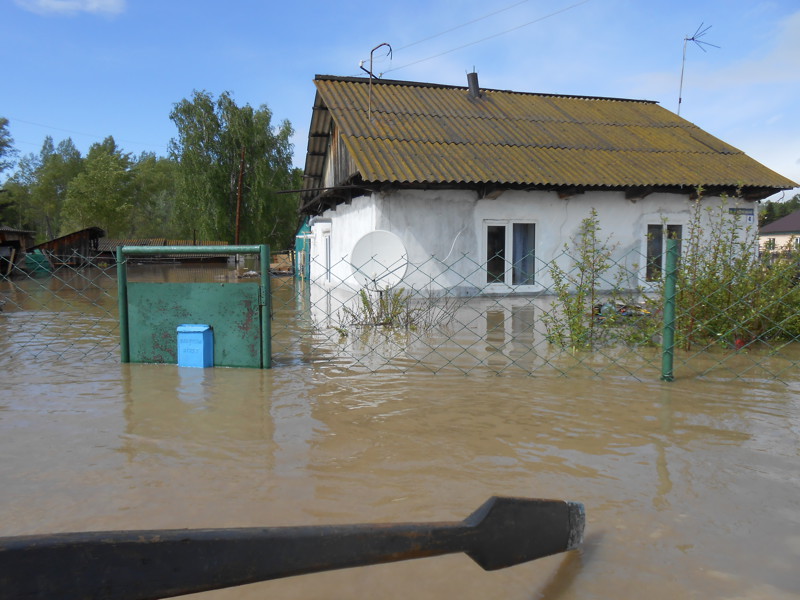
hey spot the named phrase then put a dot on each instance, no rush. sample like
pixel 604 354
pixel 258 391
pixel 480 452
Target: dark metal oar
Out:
pixel 141 565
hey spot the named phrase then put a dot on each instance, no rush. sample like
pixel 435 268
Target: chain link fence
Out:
pixel 65 311
pixel 600 316
pixel 595 314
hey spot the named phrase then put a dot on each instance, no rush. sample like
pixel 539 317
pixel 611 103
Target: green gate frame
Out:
pixel 265 303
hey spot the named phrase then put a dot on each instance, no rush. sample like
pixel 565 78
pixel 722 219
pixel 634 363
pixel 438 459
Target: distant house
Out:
pixel 484 187
pixel 781 234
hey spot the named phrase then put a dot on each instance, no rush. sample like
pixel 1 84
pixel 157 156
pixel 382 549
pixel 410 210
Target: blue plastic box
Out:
pixel 195 346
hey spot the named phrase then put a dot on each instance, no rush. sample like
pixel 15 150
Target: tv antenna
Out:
pixel 371 74
pixel 700 44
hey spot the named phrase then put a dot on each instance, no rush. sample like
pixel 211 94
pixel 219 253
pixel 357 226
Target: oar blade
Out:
pixel 146 565
pixel 510 531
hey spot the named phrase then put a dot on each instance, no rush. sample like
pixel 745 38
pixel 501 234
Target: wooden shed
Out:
pixel 73 249
pixel 14 243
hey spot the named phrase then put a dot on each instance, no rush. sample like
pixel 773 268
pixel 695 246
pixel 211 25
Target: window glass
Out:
pixel 656 247
pixel 524 238
pixel 495 253
pixel 655 240
pixel 510 257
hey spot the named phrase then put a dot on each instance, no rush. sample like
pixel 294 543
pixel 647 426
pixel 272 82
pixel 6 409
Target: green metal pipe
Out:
pixel 668 334
pixel 145 250
pixel 266 309
pixel 122 299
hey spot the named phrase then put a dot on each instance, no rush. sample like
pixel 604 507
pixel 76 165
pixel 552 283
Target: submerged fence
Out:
pixel 598 315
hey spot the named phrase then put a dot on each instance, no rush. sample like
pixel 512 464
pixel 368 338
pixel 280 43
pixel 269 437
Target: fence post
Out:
pixel 266 299
pixel 668 333
pixel 122 299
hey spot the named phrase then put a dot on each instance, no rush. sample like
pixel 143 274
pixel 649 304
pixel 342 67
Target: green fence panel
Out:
pixel 232 310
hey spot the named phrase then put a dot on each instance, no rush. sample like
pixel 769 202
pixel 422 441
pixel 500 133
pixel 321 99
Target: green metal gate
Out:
pixel 238 313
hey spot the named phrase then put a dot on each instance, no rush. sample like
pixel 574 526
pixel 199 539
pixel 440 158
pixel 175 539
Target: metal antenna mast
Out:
pixel 696 39
pixel 371 74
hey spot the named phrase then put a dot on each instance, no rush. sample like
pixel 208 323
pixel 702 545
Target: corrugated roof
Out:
pixel 14 229
pixel 404 132
pixel 110 244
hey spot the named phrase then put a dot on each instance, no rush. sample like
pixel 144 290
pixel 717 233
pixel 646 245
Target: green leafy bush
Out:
pixel 591 308
pixel 727 291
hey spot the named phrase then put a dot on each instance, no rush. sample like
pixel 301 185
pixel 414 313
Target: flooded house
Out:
pixel 483 187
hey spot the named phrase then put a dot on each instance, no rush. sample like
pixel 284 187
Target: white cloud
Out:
pixel 71 7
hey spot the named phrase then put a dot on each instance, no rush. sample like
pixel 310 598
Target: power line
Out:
pixel 91 135
pixel 537 20
pixel 446 31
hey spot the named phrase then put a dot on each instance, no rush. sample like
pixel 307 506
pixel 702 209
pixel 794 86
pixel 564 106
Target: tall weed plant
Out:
pixel 393 309
pixel 592 308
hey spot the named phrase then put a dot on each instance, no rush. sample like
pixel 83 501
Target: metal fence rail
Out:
pixel 573 319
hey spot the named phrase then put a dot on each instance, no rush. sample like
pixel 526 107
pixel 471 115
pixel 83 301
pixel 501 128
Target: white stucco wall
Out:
pixel 444 232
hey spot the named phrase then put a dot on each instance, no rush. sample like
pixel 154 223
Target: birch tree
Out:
pixel 232 163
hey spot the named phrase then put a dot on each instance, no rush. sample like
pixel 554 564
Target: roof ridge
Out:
pixel 446 86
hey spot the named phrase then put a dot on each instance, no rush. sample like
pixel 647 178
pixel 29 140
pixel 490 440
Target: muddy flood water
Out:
pixel 691 488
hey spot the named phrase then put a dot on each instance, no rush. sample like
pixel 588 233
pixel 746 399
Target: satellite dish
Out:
pixel 379 258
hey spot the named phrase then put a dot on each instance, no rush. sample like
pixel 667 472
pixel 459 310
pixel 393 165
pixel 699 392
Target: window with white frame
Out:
pixel 510 252
pixel 657 236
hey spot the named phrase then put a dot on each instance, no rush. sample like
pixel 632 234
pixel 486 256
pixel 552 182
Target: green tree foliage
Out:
pixel 102 194
pixel 154 193
pixel 39 186
pixel 772 211
pixel 10 195
pixel 17 190
pixel 8 207
pixel 7 151
pixel 233 161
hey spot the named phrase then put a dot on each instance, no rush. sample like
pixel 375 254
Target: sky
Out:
pixel 87 69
